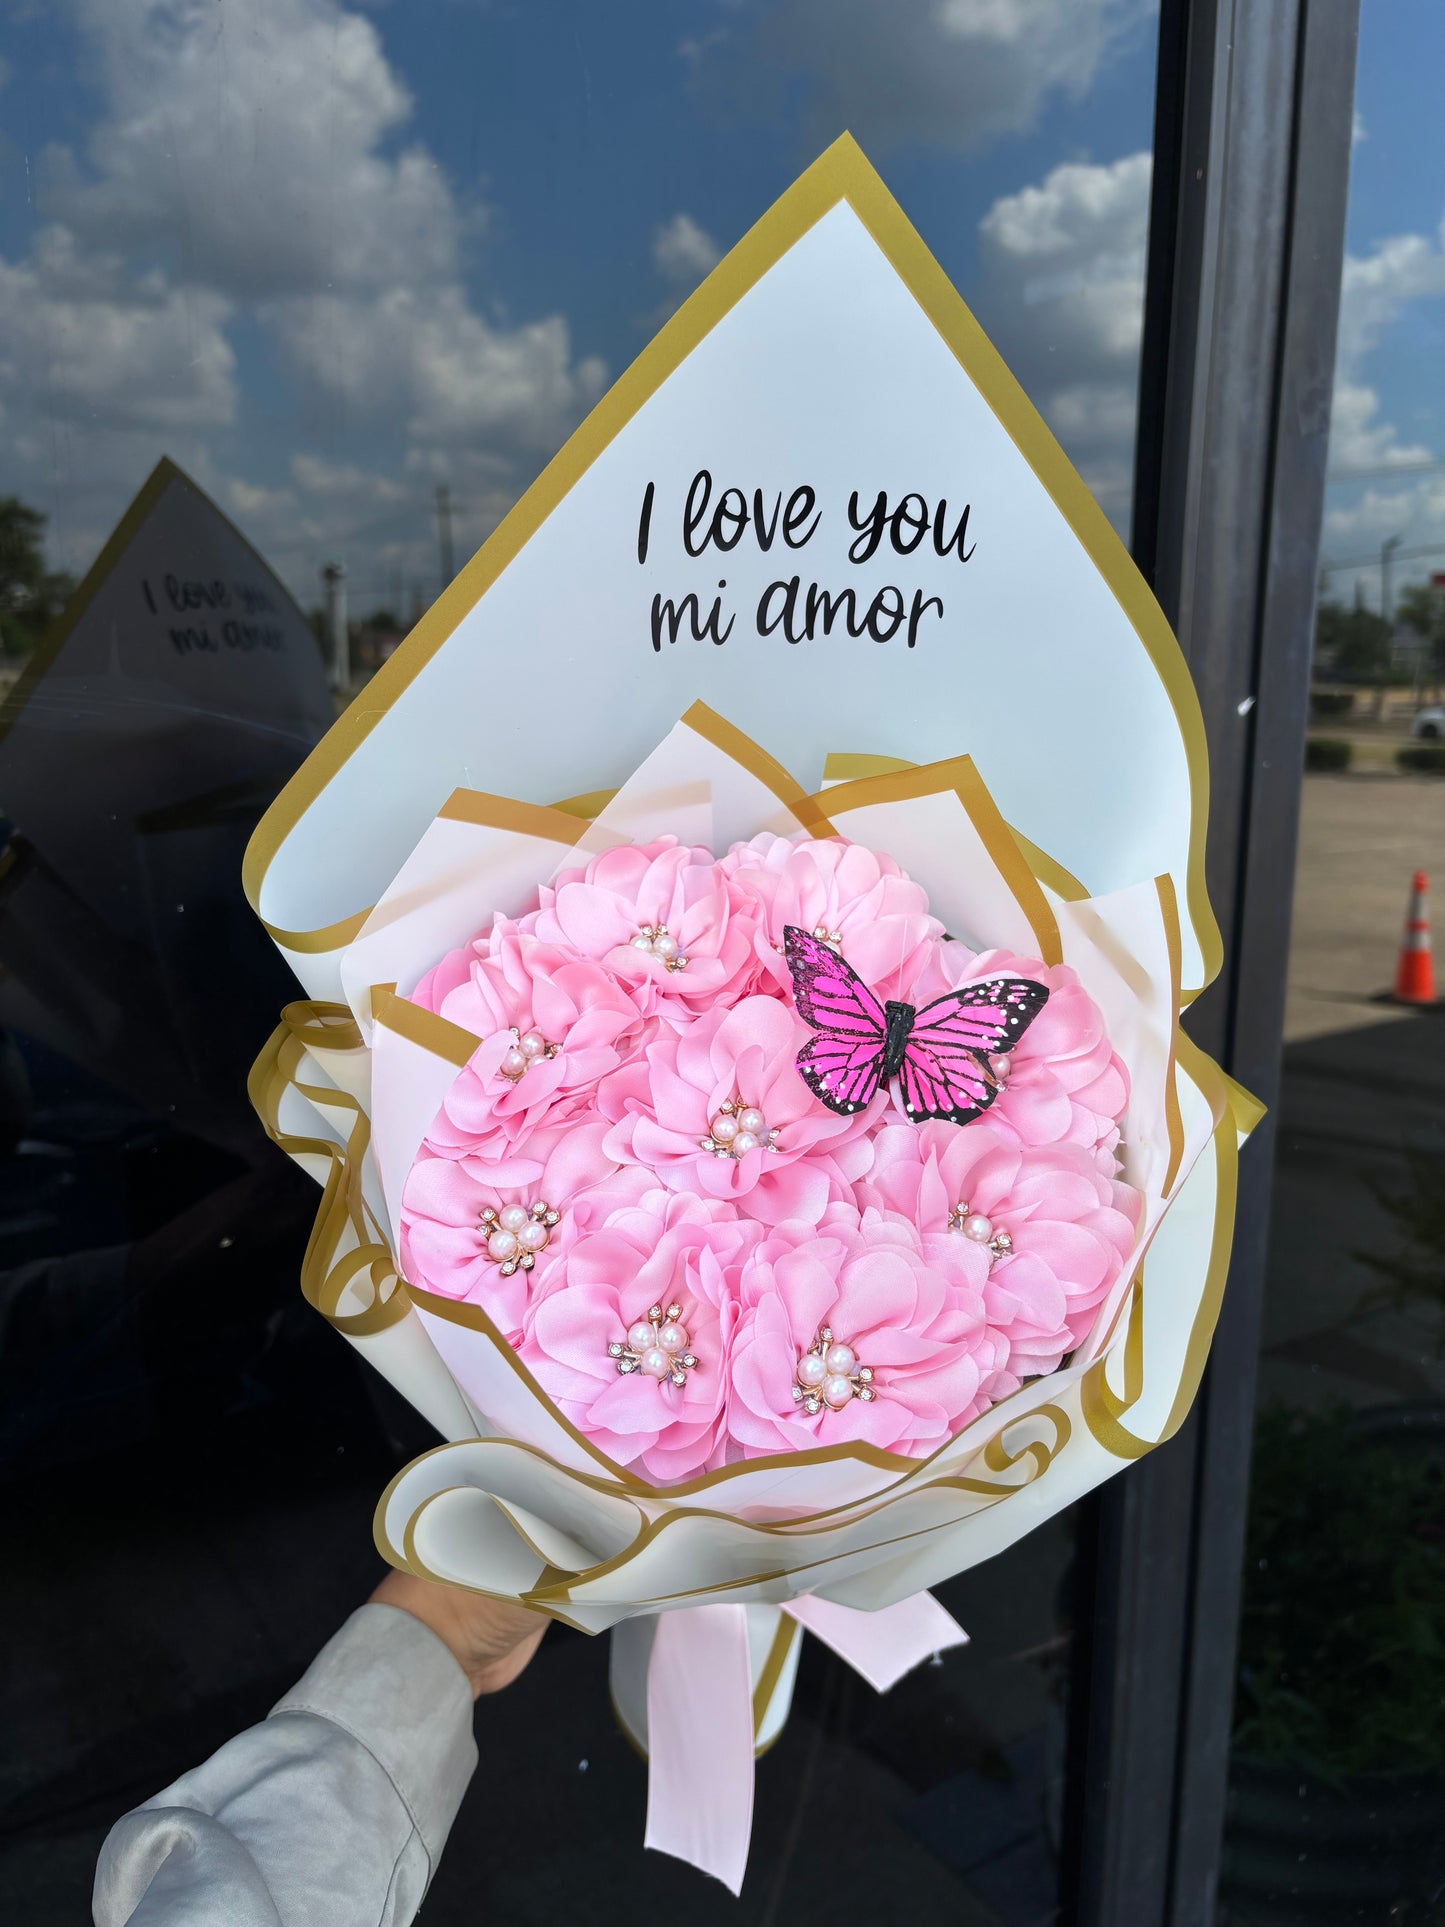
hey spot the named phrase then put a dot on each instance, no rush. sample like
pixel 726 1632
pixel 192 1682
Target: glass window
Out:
pixel 1337 1793
pixel 358 271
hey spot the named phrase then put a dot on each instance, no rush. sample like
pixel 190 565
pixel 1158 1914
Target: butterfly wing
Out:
pixel 843 1064
pixel 945 1070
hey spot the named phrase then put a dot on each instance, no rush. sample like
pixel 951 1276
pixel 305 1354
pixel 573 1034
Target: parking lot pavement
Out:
pixel 1360 840
pixel 1364 1083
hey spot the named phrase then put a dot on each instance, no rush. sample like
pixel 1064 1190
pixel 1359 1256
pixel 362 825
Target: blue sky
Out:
pixel 1390 385
pixel 328 255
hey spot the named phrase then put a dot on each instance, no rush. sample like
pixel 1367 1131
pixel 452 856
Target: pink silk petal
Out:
pixel 700 1740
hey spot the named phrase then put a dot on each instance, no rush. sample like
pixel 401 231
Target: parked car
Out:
pixel 1428 723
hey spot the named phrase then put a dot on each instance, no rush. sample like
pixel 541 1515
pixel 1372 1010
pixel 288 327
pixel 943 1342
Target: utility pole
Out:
pixel 444 534
pixel 334 576
pixel 1387 608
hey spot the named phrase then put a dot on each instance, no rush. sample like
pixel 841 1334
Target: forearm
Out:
pixel 333 1810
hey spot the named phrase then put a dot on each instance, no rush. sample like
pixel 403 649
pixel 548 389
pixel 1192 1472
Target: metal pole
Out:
pixel 444 534
pixel 1387 609
pixel 334 576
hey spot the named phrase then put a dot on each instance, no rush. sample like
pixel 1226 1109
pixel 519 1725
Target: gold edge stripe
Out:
pixel 846 766
pixel 1173 1116
pixel 981 361
pixel 740 747
pixel 312 943
pixel 960 775
pixel 618 1481
pixel 436 1035
pixel 1101 1406
pixel 552 825
pixel 322 1026
pixel 342 1207
pixel 1048 870
pixel 788 1631
pixel 589 806
pixel 409 1561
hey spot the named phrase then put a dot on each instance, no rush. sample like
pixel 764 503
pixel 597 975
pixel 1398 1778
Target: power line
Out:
pixel 1373 561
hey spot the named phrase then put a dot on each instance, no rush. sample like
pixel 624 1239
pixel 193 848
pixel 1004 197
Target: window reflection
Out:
pixel 1337 1805
pixel 358 272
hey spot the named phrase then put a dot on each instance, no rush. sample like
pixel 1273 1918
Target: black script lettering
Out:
pixel 669 615
pixel 186 594
pixel 803 615
pixel 944 544
pixel 645 522
pixel 905 527
pixel 724 527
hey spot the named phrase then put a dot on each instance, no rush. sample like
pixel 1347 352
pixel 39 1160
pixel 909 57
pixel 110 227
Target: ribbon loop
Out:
pixel 700 1712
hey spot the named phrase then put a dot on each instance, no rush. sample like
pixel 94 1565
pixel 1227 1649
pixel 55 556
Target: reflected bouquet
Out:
pixel 772 1223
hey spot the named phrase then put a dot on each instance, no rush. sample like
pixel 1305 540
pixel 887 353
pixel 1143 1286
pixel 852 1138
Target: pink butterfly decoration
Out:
pixel 940 1054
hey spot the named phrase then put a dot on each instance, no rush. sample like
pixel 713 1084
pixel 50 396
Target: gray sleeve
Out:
pixel 331 1813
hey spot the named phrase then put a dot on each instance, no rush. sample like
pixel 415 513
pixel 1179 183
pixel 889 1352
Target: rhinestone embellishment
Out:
pixel 526 1049
pixel 736 1129
pixel 656 1346
pixel 829 1374
pixel 654 940
pixel 973 1224
pixel 516 1233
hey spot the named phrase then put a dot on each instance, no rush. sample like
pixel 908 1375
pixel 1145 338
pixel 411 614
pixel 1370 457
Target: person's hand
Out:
pixel 489 1640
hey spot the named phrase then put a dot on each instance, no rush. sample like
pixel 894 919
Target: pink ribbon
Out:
pixel 700 1712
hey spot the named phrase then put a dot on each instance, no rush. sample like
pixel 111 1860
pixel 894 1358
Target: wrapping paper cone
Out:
pixel 1035 761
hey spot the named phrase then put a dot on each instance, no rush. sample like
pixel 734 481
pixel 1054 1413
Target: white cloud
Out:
pixel 250 167
pixel 953 74
pixel 1062 295
pixel 243 146
pixel 1378 286
pixel 428 360
pixel 80 340
pixel 1358 438
pixel 1378 291
pixel 683 251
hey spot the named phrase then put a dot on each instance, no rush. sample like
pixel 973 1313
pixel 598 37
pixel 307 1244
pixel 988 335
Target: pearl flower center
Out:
pixel 981 1230
pixel 830 939
pixel 654 940
pixel 829 1374
pixel 527 1048
pixel 516 1233
pixel 736 1129
pixel 656 1346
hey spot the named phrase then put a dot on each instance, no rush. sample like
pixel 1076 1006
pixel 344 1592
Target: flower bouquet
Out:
pixel 779 1195
pixel 773 1224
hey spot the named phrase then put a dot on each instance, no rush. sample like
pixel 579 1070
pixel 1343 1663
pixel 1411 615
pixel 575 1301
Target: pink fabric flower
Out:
pixel 510 989
pixel 601 911
pixel 666 1102
pixel 1071 1227
pixel 1063 1080
pixel 443 1245
pixel 924 1337
pixel 880 915
pixel 666 1249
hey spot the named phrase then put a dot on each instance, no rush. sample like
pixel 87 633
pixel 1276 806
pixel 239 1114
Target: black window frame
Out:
pixel 1253 119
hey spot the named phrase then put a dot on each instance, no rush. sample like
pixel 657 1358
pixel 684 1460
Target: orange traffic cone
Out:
pixel 1415 973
